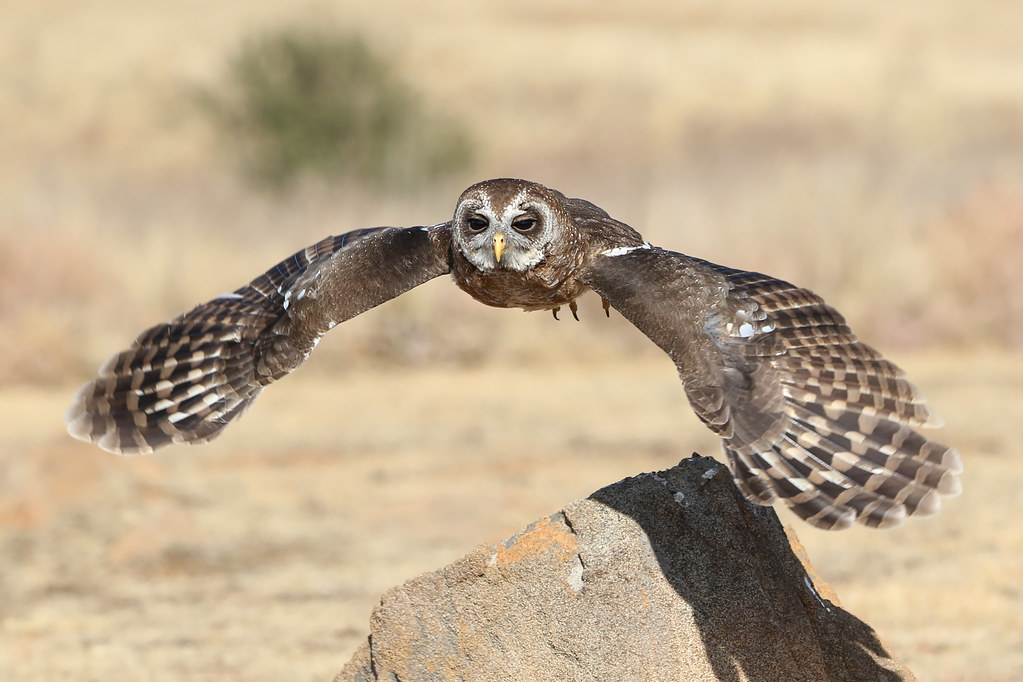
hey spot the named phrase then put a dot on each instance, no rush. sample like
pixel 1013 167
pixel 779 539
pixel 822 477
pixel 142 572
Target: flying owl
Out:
pixel 806 413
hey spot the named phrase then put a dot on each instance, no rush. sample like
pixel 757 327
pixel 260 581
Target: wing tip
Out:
pixel 78 419
pixel 84 422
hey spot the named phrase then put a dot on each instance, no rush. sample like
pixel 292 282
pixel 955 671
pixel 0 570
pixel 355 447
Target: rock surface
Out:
pixel 667 576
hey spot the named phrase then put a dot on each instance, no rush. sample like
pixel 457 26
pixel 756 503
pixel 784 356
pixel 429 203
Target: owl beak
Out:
pixel 498 245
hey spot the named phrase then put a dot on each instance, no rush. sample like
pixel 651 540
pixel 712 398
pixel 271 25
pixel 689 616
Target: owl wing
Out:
pixel 806 412
pixel 183 381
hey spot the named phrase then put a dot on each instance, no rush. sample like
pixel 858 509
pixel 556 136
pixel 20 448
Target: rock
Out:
pixel 666 576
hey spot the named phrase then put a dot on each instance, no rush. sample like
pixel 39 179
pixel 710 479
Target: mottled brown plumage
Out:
pixel 806 412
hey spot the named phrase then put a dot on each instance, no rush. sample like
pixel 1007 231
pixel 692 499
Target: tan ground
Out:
pixel 259 557
pixel 871 154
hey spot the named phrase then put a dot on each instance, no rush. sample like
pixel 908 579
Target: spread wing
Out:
pixel 184 381
pixel 806 412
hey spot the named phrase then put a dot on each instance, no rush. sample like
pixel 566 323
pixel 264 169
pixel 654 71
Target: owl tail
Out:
pixel 180 382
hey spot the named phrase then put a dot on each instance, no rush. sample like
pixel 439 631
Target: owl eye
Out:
pixel 477 223
pixel 524 225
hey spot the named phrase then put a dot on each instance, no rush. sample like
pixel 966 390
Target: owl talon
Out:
pixel 555 312
pixel 575 310
pixel 607 307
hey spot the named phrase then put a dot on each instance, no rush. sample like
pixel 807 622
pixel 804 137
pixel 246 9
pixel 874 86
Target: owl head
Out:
pixel 509 224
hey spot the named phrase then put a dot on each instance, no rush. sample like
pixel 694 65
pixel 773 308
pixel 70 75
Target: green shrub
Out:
pixel 310 102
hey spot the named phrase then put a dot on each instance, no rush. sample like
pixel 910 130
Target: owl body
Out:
pixel 549 286
pixel 807 414
pixel 547 240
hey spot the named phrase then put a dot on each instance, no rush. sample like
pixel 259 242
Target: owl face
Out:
pixel 508 224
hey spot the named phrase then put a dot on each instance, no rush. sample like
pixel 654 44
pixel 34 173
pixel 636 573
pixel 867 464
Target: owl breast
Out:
pixel 549 285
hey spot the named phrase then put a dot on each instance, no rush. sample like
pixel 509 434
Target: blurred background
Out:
pixel 153 155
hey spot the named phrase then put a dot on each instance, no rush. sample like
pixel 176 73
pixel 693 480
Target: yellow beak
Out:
pixel 498 245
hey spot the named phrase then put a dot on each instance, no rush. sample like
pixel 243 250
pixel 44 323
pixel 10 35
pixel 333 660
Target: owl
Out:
pixel 806 413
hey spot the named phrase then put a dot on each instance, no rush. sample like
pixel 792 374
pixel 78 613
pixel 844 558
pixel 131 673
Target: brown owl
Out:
pixel 805 411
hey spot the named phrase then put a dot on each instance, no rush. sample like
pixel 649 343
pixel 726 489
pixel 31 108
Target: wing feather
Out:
pixel 185 380
pixel 806 412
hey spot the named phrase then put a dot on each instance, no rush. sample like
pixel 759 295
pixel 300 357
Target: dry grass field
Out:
pixel 874 155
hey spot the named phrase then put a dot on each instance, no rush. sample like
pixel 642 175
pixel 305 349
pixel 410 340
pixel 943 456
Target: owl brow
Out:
pixel 541 209
pixel 483 212
pixel 514 205
pixel 479 207
pixel 485 203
